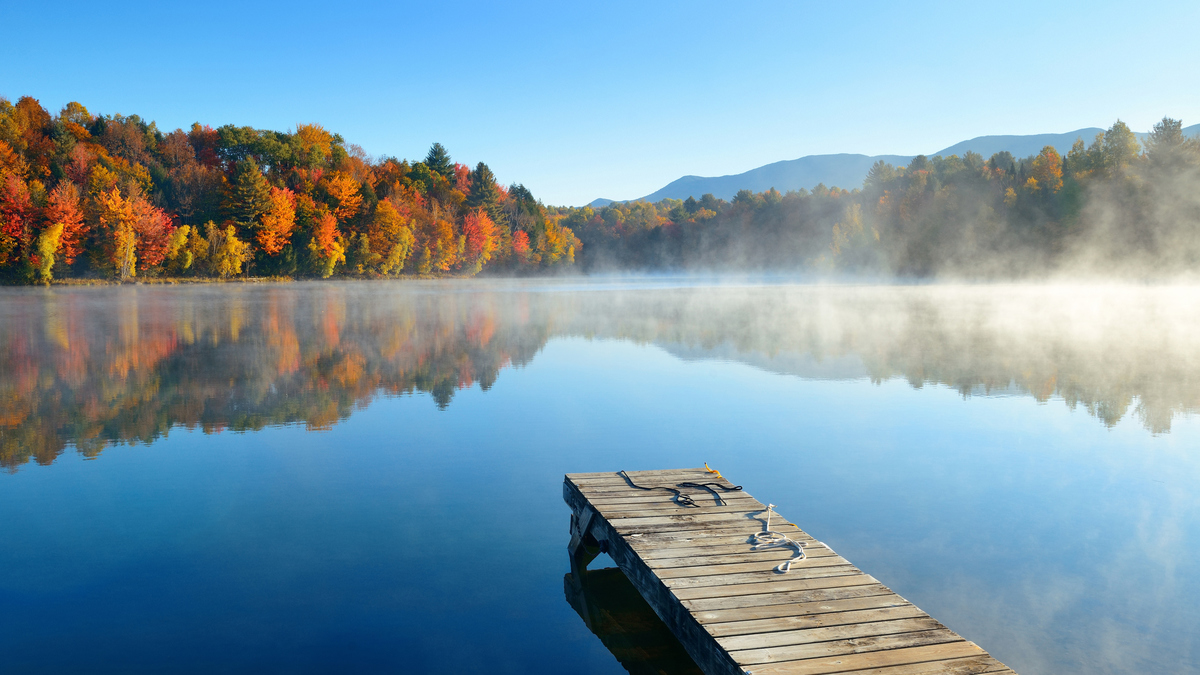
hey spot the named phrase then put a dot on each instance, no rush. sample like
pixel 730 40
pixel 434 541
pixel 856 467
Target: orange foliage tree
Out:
pixel 63 208
pixel 325 246
pixel 343 190
pixel 277 223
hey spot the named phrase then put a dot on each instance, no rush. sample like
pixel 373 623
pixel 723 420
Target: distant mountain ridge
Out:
pixel 849 170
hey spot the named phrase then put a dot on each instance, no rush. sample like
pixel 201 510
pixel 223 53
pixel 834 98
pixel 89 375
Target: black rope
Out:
pixel 708 486
pixel 681 498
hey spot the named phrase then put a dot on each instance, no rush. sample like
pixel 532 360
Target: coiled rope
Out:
pixel 771 539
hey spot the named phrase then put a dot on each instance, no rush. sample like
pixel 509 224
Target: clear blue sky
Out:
pixel 616 99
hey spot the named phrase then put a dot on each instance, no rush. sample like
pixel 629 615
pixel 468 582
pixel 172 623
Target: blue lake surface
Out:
pixel 313 478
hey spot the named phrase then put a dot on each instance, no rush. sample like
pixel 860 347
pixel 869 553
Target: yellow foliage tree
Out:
pixel 196 248
pixel 118 220
pixel 47 245
pixel 316 144
pixel 390 237
pixel 1047 170
pixel 226 252
pixel 179 257
pixel 100 180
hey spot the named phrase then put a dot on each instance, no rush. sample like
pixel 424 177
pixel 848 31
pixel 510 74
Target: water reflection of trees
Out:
pixel 1114 350
pixel 92 367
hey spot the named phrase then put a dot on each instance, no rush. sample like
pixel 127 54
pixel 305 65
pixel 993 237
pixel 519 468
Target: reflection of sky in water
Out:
pixel 405 537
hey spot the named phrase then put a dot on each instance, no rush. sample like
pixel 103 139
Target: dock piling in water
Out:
pixel 728 604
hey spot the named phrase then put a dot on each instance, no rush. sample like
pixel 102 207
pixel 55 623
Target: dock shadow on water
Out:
pixel 617 614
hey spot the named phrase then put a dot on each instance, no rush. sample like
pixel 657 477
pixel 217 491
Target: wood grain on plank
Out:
pixel 842 663
pixel 871 629
pixel 775 586
pixel 783 598
pixel 755 578
pixel 800 621
pixel 731 621
pixel 767 565
pixel 688 555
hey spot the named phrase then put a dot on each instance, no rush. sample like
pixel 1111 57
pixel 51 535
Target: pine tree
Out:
pixel 249 194
pixel 484 193
pixel 438 161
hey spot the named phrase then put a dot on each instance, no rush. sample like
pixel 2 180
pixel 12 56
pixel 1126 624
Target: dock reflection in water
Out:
pixel 617 614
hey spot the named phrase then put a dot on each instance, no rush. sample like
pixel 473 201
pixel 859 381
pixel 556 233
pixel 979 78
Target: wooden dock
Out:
pixel 729 607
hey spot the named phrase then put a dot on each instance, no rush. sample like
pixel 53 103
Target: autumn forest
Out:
pixel 113 197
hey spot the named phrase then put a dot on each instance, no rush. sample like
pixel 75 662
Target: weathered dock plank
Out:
pixel 730 608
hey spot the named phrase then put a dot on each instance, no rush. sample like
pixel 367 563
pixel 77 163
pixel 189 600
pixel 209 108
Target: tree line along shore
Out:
pixel 1111 206
pixel 112 197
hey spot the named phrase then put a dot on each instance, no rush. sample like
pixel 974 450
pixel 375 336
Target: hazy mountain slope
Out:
pixel 848 171
pixel 1019 146
pixel 841 170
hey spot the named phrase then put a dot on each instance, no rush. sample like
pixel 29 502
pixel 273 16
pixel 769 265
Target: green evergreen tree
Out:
pixel 438 161
pixel 249 194
pixel 484 193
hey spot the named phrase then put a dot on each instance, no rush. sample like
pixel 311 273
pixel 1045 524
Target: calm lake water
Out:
pixel 367 477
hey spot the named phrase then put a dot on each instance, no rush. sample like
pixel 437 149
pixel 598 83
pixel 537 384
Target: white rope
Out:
pixel 771 539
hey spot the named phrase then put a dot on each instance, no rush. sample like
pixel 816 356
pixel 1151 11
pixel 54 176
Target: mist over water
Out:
pixel 89 367
pixel 1017 459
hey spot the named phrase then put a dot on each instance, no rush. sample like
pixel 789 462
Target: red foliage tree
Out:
pixel 520 244
pixel 153 228
pixel 462 178
pixel 16 209
pixel 79 164
pixel 480 234
pixel 205 139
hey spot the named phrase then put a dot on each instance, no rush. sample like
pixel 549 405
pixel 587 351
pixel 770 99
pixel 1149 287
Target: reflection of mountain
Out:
pixel 807 366
pixel 90 367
